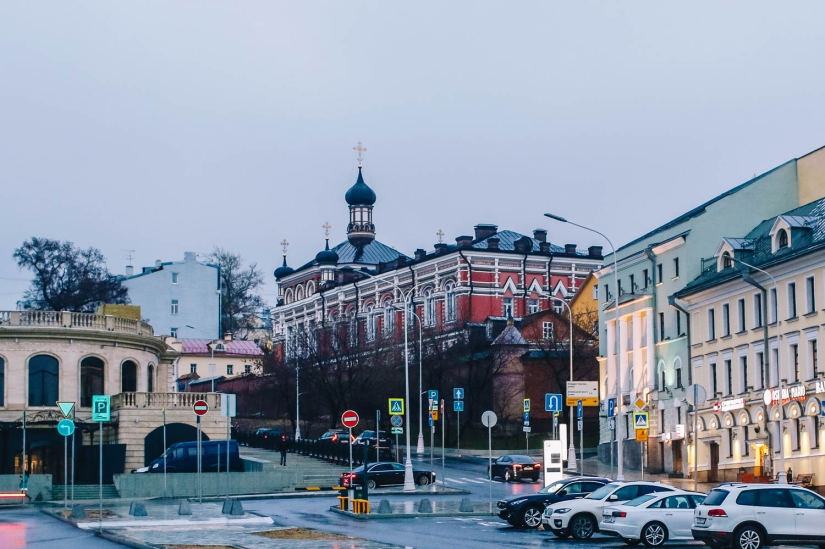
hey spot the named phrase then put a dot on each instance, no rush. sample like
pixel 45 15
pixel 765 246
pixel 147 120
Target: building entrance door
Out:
pixel 676 448
pixel 713 472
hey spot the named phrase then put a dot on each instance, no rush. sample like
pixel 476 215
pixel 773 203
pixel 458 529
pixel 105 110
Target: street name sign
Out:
pixel 586 391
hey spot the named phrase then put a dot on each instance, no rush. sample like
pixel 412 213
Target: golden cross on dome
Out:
pixel 326 226
pixel 361 150
pixel 284 245
pixel 440 234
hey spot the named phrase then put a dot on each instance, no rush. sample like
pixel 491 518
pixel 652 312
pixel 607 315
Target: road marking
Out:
pixel 456 480
pixel 474 481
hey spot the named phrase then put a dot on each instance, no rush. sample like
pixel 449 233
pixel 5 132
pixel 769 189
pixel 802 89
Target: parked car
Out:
pixel 267 438
pixel 526 509
pixel 515 467
pixel 750 516
pixel 385 473
pixel 580 517
pixel 337 435
pixel 183 458
pixel 652 519
pixel 368 438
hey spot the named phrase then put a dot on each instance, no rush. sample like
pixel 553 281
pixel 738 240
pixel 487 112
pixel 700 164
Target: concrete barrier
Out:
pixel 185 485
pixel 38 484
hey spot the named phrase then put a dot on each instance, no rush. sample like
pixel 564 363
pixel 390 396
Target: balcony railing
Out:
pixel 80 321
pixel 168 401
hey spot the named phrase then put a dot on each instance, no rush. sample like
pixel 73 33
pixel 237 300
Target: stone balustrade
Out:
pixel 79 321
pixel 168 401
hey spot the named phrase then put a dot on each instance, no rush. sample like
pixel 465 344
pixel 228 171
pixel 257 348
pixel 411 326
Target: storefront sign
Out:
pixel 819 387
pixel 729 405
pixel 797 392
pixel 680 431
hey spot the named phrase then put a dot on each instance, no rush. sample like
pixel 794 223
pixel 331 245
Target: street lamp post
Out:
pixel 420 447
pixel 571 451
pixel 782 479
pixel 620 414
pixel 409 482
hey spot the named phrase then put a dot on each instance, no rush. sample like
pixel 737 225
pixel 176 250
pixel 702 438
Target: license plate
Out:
pixel 528 468
pixel 700 521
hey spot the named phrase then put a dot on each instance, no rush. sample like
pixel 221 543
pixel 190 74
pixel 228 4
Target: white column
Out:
pixel 651 349
pixel 611 358
pixel 623 357
pixel 638 361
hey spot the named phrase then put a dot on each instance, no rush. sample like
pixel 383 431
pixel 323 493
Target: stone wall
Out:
pixel 38 485
pixel 214 484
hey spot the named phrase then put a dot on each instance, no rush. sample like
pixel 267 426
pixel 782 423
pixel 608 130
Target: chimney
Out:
pixel 492 243
pixel 570 249
pixel 157 264
pixel 189 256
pixel 130 270
pixel 227 336
pixel 440 248
pixel 420 254
pixel 485 230
pixel 540 235
pixel 595 251
pixel 464 241
pixel 523 244
pixel 544 247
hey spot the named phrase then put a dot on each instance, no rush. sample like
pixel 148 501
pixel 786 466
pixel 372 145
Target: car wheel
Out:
pixel 371 484
pixel 582 527
pixel 654 534
pixel 631 542
pixel 536 479
pixel 423 480
pixel 748 537
pixel 507 476
pixel 531 516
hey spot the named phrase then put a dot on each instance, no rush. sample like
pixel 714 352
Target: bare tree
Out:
pixel 240 302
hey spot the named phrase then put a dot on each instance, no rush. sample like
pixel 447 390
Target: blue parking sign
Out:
pixel 611 407
pixel 526 417
pixel 433 395
pixel 579 409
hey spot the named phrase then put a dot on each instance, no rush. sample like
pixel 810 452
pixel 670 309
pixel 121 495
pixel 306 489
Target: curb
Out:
pixel 376 516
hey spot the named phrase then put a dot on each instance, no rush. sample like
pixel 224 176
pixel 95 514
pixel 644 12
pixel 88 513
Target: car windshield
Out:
pixel 553 488
pixel 358 469
pixel 604 491
pixel 367 434
pixel 523 459
pixel 639 500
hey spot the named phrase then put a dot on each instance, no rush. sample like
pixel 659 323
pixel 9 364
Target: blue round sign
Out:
pixel 397 421
pixel 65 427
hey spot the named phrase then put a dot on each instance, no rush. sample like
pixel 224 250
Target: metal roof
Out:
pixel 232 348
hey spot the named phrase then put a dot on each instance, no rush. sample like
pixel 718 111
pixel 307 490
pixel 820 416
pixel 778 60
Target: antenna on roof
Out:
pixel 129 256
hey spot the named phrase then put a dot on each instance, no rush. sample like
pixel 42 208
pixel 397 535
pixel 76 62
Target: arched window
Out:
pixel 288 296
pixel 727 262
pixel 310 288
pixel 150 379
pixel 782 239
pixel 91 380
pixel 128 377
pixel 450 304
pixel 389 317
pixel 352 329
pixel 299 293
pixel 43 380
pixel 372 319
pixel 429 308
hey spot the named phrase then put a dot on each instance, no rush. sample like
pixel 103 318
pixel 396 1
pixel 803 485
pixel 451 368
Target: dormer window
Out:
pixel 727 261
pixel 781 239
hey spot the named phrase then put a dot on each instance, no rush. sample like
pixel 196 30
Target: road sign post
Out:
pixel 101 412
pixel 200 408
pixel 443 480
pixel 350 420
pixel 66 428
pixel 489 419
pixel 228 410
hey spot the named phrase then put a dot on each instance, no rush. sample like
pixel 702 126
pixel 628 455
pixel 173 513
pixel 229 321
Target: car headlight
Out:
pixel 562 510
pixel 518 501
pixel 155 466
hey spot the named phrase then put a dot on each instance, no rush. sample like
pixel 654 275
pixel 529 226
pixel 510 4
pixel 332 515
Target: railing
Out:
pixel 81 321
pixel 164 400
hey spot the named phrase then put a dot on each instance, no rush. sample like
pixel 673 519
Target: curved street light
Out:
pixel 620 412
pixel 571 451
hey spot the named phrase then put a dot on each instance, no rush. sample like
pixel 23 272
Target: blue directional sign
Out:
pixel 458 394
pixel 611 407
pixel 579 409
pixel 526 417
pixel 431 419
pixel 458 406
pixel 65 427
pixel 552 402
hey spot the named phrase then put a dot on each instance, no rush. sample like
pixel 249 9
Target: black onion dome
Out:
pixel 283 270
pixel 360 194
pixel 327 256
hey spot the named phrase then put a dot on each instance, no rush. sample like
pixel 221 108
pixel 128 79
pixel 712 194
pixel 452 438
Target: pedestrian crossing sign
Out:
pixel 640 420
pixel 396 406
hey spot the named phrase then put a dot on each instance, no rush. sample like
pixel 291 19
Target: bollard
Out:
pixel 466 506
pixel 237 508
pixel 185 508
pixel 384 508
pixel 78 511
pixel 426 506
pixel 137 509
pixel 227 506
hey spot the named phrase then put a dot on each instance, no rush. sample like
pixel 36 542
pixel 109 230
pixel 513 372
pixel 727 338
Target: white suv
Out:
pixel 580 517
pixel 748 516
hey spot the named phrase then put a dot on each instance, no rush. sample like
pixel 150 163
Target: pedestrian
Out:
pixel 283 446
pixel 790 475
pixel 24 484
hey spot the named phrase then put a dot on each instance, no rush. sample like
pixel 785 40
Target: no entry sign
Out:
pixel 201 407
pixel 349 419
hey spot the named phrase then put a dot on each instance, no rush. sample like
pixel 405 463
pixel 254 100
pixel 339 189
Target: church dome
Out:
pixel 326 256
pixel 360 194
pixel 283 270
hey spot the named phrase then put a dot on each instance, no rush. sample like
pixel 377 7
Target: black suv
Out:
pixel 526 509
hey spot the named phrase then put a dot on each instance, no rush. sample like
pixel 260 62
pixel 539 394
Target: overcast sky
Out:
pixel 167 126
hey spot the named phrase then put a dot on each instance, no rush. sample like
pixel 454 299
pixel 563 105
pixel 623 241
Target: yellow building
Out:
pixel 585 305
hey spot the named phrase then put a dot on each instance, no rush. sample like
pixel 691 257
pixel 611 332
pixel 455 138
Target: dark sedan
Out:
pixel 526 509
pixel 385 473
pixel 515 467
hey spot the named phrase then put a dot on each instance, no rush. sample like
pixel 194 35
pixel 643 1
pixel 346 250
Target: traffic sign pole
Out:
pixel 443 480
pixel 350 454
pixel 200 486
pixel 65 472
pixel 73 457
